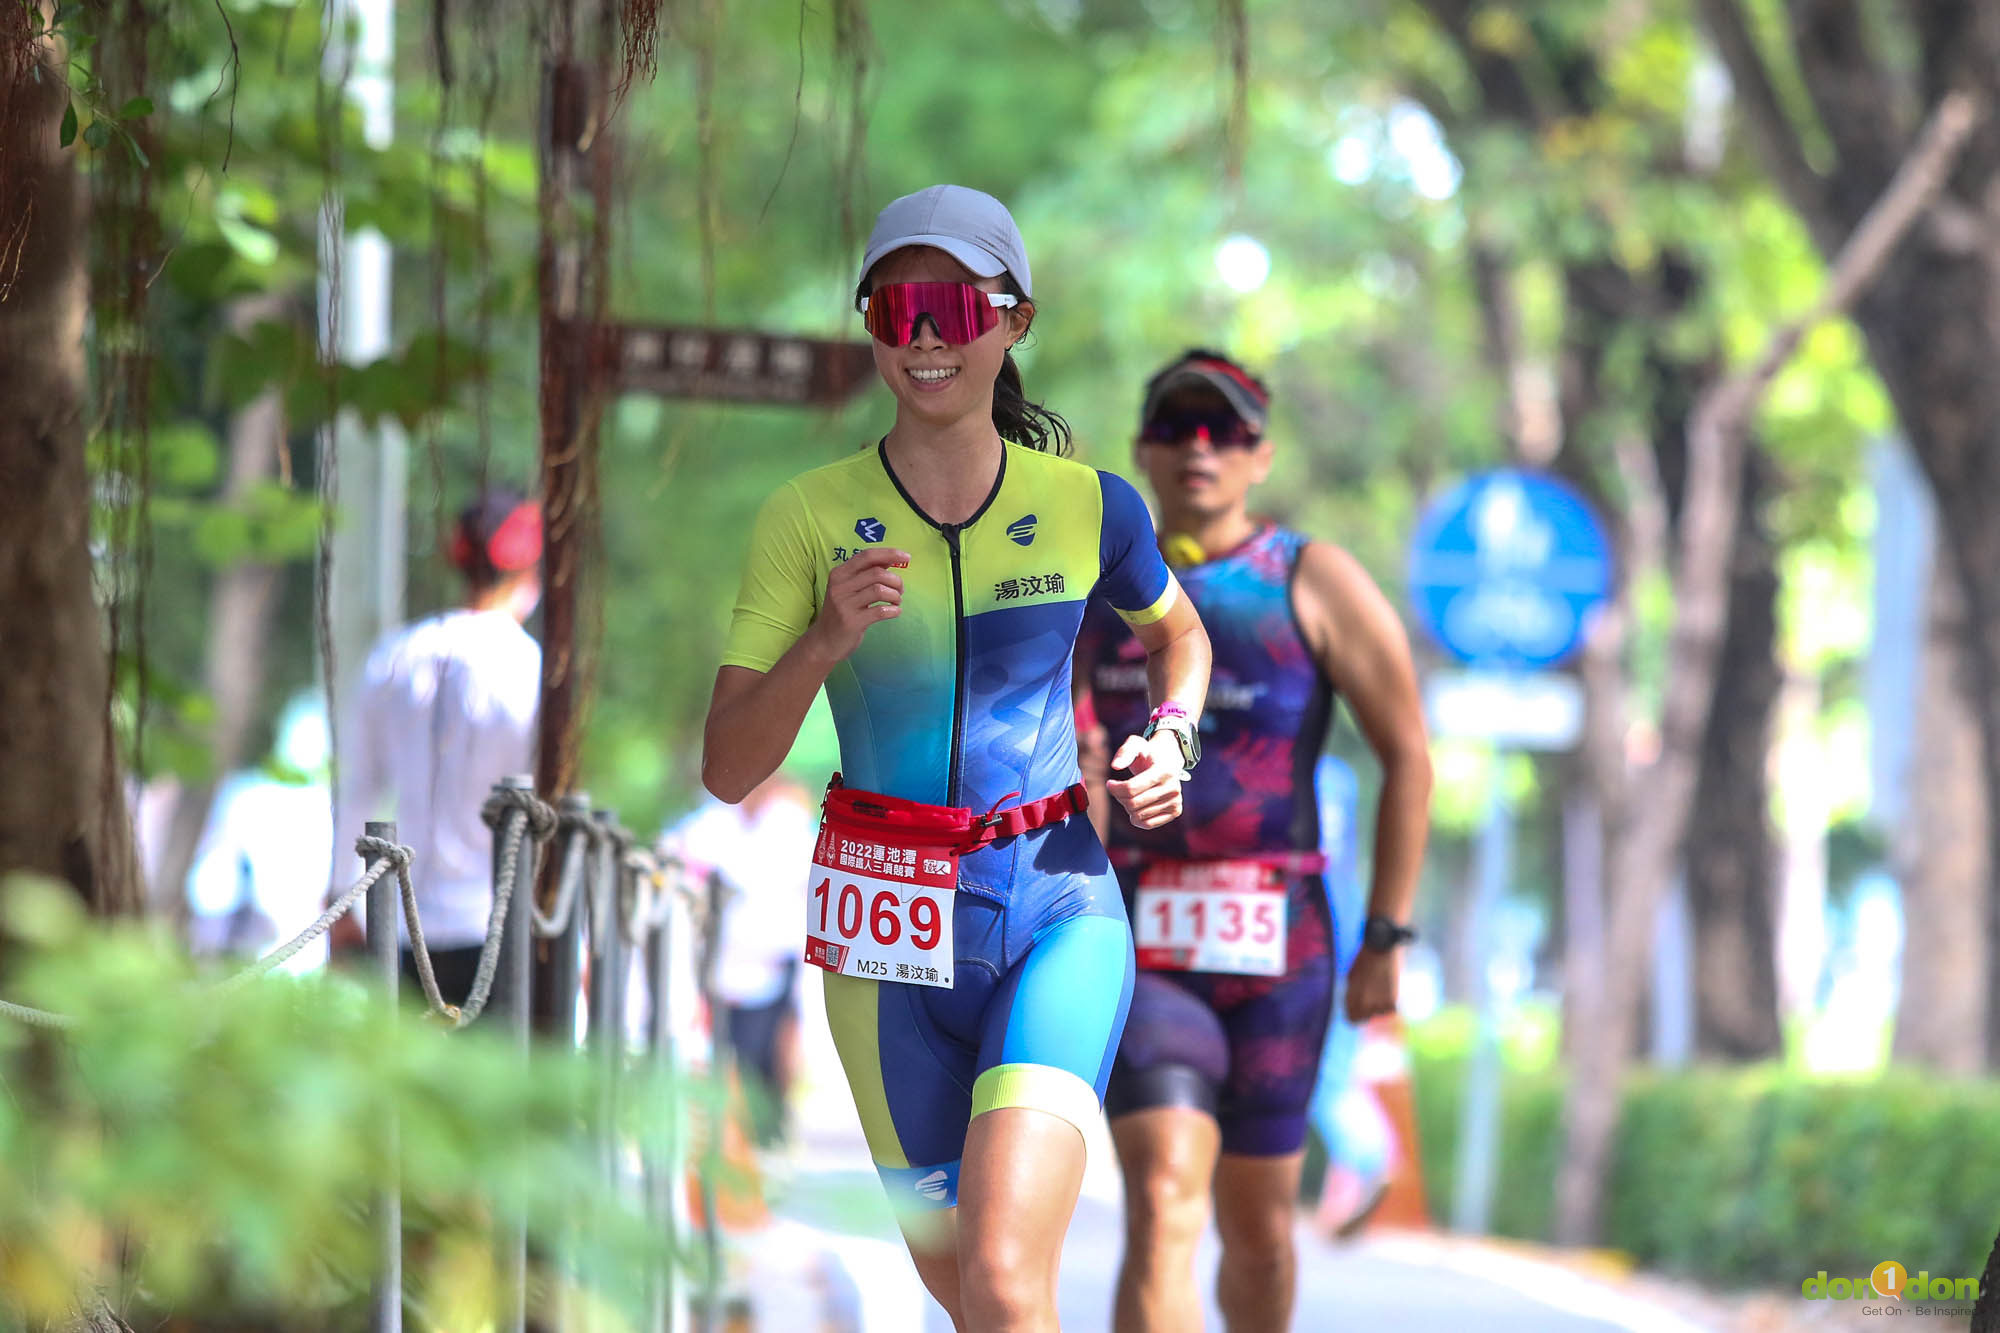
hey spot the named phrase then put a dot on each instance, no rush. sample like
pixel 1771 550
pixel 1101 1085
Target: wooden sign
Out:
pixel 736 365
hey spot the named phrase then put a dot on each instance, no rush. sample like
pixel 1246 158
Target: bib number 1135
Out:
pixel 1224 917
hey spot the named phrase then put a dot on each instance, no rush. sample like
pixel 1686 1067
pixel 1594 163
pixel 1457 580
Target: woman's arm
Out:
pixel 754 716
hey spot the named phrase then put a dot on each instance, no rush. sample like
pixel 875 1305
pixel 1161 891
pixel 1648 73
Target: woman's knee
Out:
pixel 1006 1280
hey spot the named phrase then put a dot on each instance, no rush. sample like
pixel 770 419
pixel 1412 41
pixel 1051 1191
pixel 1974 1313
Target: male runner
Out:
pixel 1230 912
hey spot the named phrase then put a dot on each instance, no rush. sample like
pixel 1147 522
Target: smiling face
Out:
pixel 1192 477
pixel 935 383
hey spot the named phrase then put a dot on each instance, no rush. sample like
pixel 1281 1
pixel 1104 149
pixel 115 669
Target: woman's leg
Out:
pixel 1017 1190
pixel 909 1120
pixel 933 1241
pixel 1051 1030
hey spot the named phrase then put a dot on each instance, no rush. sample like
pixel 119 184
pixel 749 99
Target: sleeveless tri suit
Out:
pixel 1245 1048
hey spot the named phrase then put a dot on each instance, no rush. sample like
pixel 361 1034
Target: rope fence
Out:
pixel 630 895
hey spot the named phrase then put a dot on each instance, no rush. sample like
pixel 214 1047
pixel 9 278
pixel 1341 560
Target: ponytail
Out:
pixel 1028 424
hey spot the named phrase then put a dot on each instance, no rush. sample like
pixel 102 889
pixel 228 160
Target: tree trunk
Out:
pixel 1645 851
pixel 1932 321
pixel 61 810
pixel 1940 854
pixel 1730 853
pixel 239 627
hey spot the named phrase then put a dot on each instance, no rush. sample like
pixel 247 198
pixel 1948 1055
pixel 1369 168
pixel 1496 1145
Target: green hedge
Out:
pixel 1755 1176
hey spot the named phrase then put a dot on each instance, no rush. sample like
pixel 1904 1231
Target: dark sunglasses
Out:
pixel 1177 425
pixel 960 312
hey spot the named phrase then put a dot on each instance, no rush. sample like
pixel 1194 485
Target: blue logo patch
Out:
pixel 1022 530
pixel 869 529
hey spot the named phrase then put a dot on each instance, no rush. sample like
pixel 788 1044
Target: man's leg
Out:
pixel 1256 1199
pixel 1275 1042
pixel 1162 1105
pixel 1168 1156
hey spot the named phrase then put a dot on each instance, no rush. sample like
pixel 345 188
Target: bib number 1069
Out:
pixel 887 916
pixel 881 911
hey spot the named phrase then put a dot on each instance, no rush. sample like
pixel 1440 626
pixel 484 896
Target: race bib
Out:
pixel 881 908
pixel 1211 916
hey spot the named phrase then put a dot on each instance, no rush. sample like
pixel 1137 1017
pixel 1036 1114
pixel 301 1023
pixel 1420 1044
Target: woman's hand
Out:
pixel 862 590
pixel 1152 795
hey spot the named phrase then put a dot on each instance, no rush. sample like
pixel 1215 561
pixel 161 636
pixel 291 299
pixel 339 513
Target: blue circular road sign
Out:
pixel 1506 567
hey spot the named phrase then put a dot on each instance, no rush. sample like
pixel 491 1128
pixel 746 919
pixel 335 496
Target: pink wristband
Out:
pixel 1169 709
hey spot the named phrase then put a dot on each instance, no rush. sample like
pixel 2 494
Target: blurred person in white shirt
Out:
pixel 760 849
pixel 444 709
pixel 254 883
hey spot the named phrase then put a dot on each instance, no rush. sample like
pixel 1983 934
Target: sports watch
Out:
pixel 1172 717
pixel 1381 934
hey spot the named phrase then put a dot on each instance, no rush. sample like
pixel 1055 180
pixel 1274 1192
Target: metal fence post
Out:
pixel 665 1194
pixel 721 1060
pixel 386 1301
pixel 564 978
pixel 607 988
pixel 560 959
pixel 510 998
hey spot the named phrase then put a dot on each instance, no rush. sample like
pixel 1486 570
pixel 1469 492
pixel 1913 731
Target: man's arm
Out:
pixel 1359 641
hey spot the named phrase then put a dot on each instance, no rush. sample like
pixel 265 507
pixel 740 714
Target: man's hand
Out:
pixel 1152 795
pixel 1371 984
pixel 863 589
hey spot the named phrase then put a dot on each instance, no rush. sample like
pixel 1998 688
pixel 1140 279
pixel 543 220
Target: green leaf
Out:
pixel 137 107
pixel 138 153
pixel 98 134
pixel 253 243
pixel 186 455
pixel 69 125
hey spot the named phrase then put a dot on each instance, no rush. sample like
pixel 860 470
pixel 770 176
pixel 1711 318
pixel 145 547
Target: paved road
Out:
pixel 836 1240
pixel 832 1260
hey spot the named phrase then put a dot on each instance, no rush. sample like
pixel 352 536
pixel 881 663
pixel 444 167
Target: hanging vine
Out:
pixel 126 256
pixel 704 42
pixel 1234 34
pixel 439 149
pixel 853 51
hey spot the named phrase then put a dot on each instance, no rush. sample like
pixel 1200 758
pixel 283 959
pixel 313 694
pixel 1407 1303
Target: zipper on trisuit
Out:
pixel 951 531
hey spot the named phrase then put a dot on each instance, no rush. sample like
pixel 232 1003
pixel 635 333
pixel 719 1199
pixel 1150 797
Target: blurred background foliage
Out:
pixel 193 1152
pixel 1366 181
pixel 1751 1177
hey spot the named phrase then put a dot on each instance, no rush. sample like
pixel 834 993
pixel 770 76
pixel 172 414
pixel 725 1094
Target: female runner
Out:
pixel 934 585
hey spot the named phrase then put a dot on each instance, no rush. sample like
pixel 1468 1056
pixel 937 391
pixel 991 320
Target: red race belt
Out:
pixel 884 871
